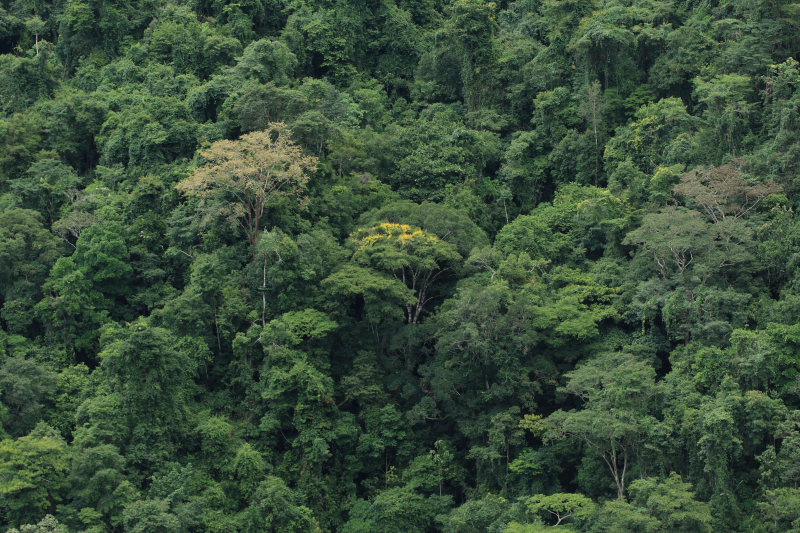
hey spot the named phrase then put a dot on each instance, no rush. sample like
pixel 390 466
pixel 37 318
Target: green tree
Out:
pixel 151 371
pixel 149 516
pixel 32 474
pixel 673 503
pixel 88 288
pixel 266 60
pixel 660 134
pixel 728 111
pixel 98 481
pixel 680 242
pixel 377 298
pixel 561 506
pixel 25 390
pixel 48 524
pixel 394 510
pixel 488 514
pixel 274 508
pixel 47 186
pixel 778 511
pixel 471 26
pixel 154 131
pixel 617 392
pixel 138 351
pixel 27 252
pixel 248 468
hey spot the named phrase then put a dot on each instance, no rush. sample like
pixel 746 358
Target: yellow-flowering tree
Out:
pixel 411 255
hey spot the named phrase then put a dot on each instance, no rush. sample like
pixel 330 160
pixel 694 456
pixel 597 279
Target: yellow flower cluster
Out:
pixel 391 230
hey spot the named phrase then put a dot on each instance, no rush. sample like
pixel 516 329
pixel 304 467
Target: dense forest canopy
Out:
pixel 399 266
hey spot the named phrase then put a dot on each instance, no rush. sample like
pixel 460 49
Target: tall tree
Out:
pixel 410 255
pixel 246 177
pixel 617 391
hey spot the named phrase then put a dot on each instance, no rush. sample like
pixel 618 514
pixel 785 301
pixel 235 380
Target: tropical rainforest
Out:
pixel 399 266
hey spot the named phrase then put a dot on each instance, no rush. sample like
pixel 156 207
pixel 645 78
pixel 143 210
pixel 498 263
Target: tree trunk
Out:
pixel 264 293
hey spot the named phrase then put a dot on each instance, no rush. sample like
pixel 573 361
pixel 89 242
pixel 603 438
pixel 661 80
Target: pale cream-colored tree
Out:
pixel 244 177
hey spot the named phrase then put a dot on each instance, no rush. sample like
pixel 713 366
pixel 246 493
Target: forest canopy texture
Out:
pixel 399 266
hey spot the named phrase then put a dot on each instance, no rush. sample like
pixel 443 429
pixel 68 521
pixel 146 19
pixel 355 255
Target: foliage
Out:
pixel 425 266
pixel 246 177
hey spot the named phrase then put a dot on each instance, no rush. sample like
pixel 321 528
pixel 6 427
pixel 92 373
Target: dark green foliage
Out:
pixel 27 252
pixel 25 390
pixel 87 289
pixel 413 266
